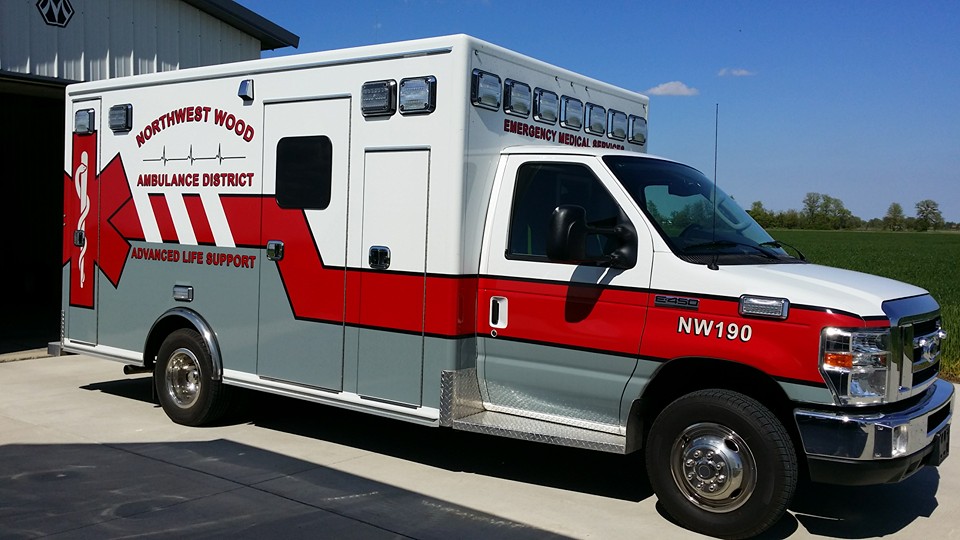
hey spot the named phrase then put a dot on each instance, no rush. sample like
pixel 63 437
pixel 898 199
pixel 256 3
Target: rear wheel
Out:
pixel 184 380
pixel 721 464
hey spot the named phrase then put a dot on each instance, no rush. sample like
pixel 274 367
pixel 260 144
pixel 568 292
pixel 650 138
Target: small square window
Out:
pixel 571 113
pixel 304 172
pixel 546 106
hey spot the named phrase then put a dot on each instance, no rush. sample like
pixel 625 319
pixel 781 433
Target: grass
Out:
pixel 928 260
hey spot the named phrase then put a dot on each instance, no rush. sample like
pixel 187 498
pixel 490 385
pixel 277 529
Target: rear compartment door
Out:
pixel 81 219
pixel 304 231
pixel 393 283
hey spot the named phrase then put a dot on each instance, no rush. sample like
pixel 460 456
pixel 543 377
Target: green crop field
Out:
pixel 928 260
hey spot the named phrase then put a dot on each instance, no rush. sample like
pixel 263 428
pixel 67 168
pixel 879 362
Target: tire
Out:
pixel 721 464
pixel 183 377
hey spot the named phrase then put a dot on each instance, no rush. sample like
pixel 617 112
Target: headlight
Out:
pixel 855 362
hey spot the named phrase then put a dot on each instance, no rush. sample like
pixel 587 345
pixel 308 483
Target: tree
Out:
pixel 811 207
pixel 760 214
pixel 928 215
pixel 790 219
pixel 894 219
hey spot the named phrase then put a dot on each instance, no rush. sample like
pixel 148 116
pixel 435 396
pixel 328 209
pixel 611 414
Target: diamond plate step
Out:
pixel 461 407
pixel 529 429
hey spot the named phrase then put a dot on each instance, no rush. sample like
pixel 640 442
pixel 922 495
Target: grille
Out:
pixel 922 361
pixel 927 373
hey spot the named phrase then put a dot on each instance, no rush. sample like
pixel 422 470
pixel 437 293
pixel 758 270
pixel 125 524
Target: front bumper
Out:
pixel 877 447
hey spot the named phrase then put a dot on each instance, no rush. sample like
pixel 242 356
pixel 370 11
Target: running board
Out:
pixel 461 407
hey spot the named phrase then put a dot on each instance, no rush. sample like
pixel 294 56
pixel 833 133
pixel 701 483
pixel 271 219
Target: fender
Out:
pixel 198 323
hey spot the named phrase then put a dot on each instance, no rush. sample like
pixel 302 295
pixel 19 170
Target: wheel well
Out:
pixel 684 375
pixel 161 329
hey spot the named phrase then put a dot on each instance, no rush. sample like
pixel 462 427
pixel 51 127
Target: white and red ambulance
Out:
pixel 450 233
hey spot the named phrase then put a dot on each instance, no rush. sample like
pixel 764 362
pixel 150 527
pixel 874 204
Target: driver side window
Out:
pixel 541 188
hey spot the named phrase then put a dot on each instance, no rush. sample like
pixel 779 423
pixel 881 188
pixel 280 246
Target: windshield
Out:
pixel 699 221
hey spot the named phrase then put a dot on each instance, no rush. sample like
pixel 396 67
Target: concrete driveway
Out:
pixel 85 453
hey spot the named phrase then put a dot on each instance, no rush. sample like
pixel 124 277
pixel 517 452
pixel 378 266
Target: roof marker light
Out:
pixel 378 98
pixel 516 98
pixel 485 90
pixel 596 122
pixel 418 95
pixel 546 106
pixel 637 130
pixel 245 92
pixel 616 125
pixel 83 122
pixel 121 118
pixel 571 113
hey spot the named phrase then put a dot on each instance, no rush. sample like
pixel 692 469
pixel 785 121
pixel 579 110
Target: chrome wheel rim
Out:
pixel 713 467
pixel 182 377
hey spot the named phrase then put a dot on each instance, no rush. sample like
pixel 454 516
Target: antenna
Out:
pixel 716 143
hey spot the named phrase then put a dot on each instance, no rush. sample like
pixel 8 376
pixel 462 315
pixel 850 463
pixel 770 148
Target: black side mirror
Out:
pixel 567 242
pixel 568 234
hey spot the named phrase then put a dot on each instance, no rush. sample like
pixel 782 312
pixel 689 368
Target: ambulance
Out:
pixel 446 232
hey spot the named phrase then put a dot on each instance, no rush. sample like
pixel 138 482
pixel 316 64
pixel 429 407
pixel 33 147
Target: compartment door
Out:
pixel 81 219
pixel 304 234
pixel 393 284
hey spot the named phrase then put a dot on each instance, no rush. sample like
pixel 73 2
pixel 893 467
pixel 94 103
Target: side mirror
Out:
pixel 568 234
pixel 567 242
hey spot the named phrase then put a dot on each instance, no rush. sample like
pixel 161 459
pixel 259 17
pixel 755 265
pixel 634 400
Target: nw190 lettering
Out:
pixel 718 329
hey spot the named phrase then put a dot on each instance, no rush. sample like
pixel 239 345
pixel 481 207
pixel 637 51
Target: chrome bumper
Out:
pixel 877 436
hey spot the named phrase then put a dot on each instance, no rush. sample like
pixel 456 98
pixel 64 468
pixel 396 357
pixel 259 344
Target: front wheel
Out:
pixel 721 464
pixel 184 380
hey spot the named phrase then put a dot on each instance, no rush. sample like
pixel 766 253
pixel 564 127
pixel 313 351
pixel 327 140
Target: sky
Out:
pixel 854 99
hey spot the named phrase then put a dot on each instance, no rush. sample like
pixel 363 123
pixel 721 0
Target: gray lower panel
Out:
pixel 390 366
pixel 462 408
pixel 554 382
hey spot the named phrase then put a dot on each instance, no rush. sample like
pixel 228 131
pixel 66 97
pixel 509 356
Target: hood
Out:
pixel 801 284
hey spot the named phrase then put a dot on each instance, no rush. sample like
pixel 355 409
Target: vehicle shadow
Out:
pixel 216 489
pixel 866 511
pixel 570 469
pixel 818 509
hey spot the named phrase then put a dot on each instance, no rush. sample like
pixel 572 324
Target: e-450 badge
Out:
pixel 681 302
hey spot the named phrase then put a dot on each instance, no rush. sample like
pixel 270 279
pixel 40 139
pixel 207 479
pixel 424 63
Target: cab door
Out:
pixel 304 237
pixel 558 341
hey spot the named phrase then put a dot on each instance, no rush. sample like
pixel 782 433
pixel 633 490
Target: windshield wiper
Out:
pixel 779 244
pixel 728 243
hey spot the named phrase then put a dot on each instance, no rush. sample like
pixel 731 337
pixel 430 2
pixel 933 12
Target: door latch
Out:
pixel 379 257
pixel 274 250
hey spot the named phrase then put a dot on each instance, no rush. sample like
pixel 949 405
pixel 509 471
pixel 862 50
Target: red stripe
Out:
pixel 243 217
pixel 567 315
pixel 315 291
pixel 198 218
pixel 161 211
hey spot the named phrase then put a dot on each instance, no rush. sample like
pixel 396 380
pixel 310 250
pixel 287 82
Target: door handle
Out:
pixel 498 312
pixel 275 250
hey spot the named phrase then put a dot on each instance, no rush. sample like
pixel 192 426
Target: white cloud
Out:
pixel 672 88
pixel 735 72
